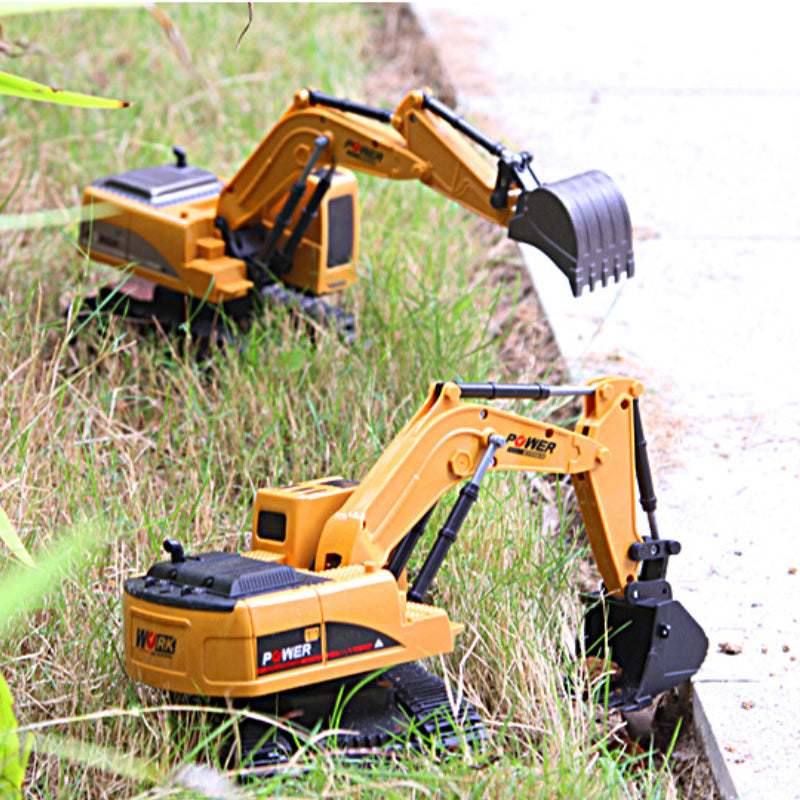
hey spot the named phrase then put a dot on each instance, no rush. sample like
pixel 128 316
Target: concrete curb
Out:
pixel 705 732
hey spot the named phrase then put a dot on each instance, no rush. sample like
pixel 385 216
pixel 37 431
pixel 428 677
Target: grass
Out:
pixel 97 424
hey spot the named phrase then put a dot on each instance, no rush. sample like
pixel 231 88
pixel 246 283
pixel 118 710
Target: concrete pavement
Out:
pixel 694 110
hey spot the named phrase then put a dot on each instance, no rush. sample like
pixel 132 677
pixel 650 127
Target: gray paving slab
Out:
pixel 694 109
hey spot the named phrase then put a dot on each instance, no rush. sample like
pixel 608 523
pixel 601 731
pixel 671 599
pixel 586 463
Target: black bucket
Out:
pixel 582 224
pixel 656 645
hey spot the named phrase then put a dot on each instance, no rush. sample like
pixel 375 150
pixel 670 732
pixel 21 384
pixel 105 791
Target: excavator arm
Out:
pixel 355 141
pixel 634 622
pixel 442 445
pixel 581 223
pixel 410 143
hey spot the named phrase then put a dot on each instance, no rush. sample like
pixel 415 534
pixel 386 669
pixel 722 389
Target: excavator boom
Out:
pixel 441 446
pixel 410 143
pixel 581 223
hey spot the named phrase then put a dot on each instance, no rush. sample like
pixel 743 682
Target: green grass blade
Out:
pixel 11 539
pixel 12 761
pixel 30 90
pixel 99 757
pixel 56 217
pixel 23 588
pixel 19 9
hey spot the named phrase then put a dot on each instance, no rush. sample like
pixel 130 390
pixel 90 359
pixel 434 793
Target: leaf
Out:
pixel 12 761
pixel 11 539
pixel 22 87
pixel 20 589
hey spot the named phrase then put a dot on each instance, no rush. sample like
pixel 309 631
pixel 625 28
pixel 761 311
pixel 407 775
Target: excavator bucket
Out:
pixel 582 223
pixel 650 647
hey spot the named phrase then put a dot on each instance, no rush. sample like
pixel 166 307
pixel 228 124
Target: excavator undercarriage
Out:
pixel 405 708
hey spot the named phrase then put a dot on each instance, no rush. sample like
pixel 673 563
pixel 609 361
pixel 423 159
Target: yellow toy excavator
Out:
pixel 322 602
pixel 286 226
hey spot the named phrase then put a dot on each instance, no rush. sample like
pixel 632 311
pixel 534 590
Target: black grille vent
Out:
pixel 163 185
pixel 215 581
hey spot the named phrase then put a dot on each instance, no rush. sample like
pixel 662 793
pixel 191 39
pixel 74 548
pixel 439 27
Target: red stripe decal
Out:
pixel 301 662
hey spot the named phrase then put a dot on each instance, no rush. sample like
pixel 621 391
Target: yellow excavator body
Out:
pixel 177 244
pixel 350 620
pixel 290 215
pixel 322 595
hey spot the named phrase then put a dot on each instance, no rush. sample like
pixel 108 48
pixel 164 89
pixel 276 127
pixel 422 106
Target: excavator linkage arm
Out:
pixel 581 223
pixel 653 640
pixel 442 445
